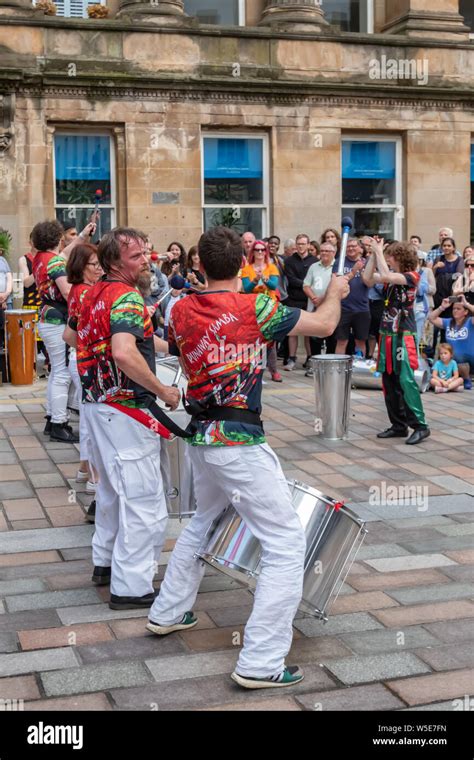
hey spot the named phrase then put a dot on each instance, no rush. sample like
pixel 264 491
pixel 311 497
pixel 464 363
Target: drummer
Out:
pixel 221 338
pixel 116 363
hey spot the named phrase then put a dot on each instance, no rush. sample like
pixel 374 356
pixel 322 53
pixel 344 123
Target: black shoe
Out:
pixel 418 436
pixel 48 426
pixel 101 576
pixel 90 514
pixel 63 433
pixel 393 433
pixel 131 602
pixel 307 363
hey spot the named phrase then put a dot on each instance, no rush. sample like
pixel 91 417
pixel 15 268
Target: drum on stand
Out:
pixel 334 535
pixel 175 462
pixel 21 345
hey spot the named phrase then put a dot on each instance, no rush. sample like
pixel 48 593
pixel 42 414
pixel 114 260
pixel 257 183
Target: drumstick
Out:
pixel 346 228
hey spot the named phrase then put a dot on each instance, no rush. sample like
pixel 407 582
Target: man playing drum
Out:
pixel 116 363
pixel 221 337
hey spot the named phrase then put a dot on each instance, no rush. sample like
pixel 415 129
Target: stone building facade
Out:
pixel 281 124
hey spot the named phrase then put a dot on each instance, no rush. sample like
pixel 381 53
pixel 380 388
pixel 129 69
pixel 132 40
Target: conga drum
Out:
pixel 21 348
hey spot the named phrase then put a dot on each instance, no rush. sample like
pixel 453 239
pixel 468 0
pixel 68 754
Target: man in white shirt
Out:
pixel 315 286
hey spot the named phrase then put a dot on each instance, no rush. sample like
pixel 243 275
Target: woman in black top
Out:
pixel 194 273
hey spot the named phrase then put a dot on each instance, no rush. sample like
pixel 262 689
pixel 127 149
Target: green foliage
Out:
pixel 5 242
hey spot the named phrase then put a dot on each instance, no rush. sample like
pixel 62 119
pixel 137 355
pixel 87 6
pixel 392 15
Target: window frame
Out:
pixel 397 206
pixel 241 11
pixel 59 132
pixel 265 207
pixel 369 14
pixel 85 4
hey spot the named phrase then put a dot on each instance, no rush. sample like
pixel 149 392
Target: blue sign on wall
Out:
pixel 368 160
pixel 82 157
pixel 233 158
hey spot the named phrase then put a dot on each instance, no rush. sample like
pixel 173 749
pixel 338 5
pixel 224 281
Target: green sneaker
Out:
pixel 188 621
pixel 288 677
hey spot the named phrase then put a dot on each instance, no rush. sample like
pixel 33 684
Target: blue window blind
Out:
pixel 368 160
pixel 82 157
pixel 233 158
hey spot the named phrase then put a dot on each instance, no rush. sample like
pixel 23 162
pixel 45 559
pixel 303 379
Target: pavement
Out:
pixel 399 637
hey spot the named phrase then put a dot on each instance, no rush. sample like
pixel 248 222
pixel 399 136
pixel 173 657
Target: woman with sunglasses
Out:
pixel 261 276
pixel 465 285
pixel 83 271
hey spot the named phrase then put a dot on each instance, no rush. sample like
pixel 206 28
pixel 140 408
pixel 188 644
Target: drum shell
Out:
pixel 332 539
pixel 363 375
pixel 21 345
pixel 175 462
pixel 332 385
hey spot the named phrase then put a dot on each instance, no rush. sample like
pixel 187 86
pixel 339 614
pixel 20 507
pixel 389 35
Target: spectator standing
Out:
pixel 296 269
pixel 355 308
pixel 315 286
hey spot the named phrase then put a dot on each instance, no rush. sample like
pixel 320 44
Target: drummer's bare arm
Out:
pixel 70 337
pixel 64 286
pixel 131 362
pixel 161 346
pixel 323 322
pixel 27 278
pixel 368 272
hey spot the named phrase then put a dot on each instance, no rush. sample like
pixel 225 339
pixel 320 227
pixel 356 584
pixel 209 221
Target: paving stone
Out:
pixel 63 455
pixel 28 620
pixel 377 642
pixel 448 657
pixel 70 580
pixel 27 558
pixel 124 629
pixel 54 497
pixel 45 570
pixel 218 599
pixel 134 649
pixel 425 613
pixel 92 613
pixel 31 453
pixel 370 600
pixel 278 705
pixel 357 621
pixel 41 480
pixel 314 650
pixel 362 698
pixel 83 552
pixel 361 669
pixel 5 446
pixel 95 678
pixel 62 516
pixel 23 509
pixel 54 599
pixel 420 522
pixel 8 643
pixel 423 689
pixel 231 615
pixel 15 489
pixel 409 562
pixel 452 704
pixel 452 630
pixel 29 524
pixel 190 694
pixel 465 557
pixel 442 544
pixel 51 538
pixel 21 687
pixel 12 472
pixel 80 703
pixel 77 635
pixel 460 573
pixel 381 550
pixel 422 594
pixel 27 662
pixel 8 588
pixel 191 665
pixel 392 580
pixel 452 484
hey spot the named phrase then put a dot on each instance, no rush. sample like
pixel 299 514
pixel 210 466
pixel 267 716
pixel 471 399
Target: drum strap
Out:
pixel 200 413
pixel 158 421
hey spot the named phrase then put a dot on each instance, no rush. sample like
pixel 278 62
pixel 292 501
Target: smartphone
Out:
pixel 454 299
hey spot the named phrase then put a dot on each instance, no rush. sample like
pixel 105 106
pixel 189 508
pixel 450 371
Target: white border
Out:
pixel 230 135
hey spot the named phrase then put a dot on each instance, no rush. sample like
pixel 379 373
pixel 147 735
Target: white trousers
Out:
pixel 131 514
pixel 84 452
pixel 59 379
pixel 251 478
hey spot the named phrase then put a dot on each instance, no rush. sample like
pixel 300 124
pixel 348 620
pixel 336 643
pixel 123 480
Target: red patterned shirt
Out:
pixel 47 268
pixel 74 303
pixel 108 308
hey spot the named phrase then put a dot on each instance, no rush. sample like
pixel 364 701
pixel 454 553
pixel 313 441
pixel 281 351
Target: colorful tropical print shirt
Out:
pixel 222 339
pixel 398 315
pixel 74 304
pixel 47 268
pixel 108 308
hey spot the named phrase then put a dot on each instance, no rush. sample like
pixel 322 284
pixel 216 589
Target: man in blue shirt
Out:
pixel 355 308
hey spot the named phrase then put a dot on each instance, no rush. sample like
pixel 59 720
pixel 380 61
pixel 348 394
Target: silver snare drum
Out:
pixel 175 462
pixel 334 535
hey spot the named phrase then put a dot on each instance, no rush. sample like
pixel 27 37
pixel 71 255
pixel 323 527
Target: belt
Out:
pixel 200 413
